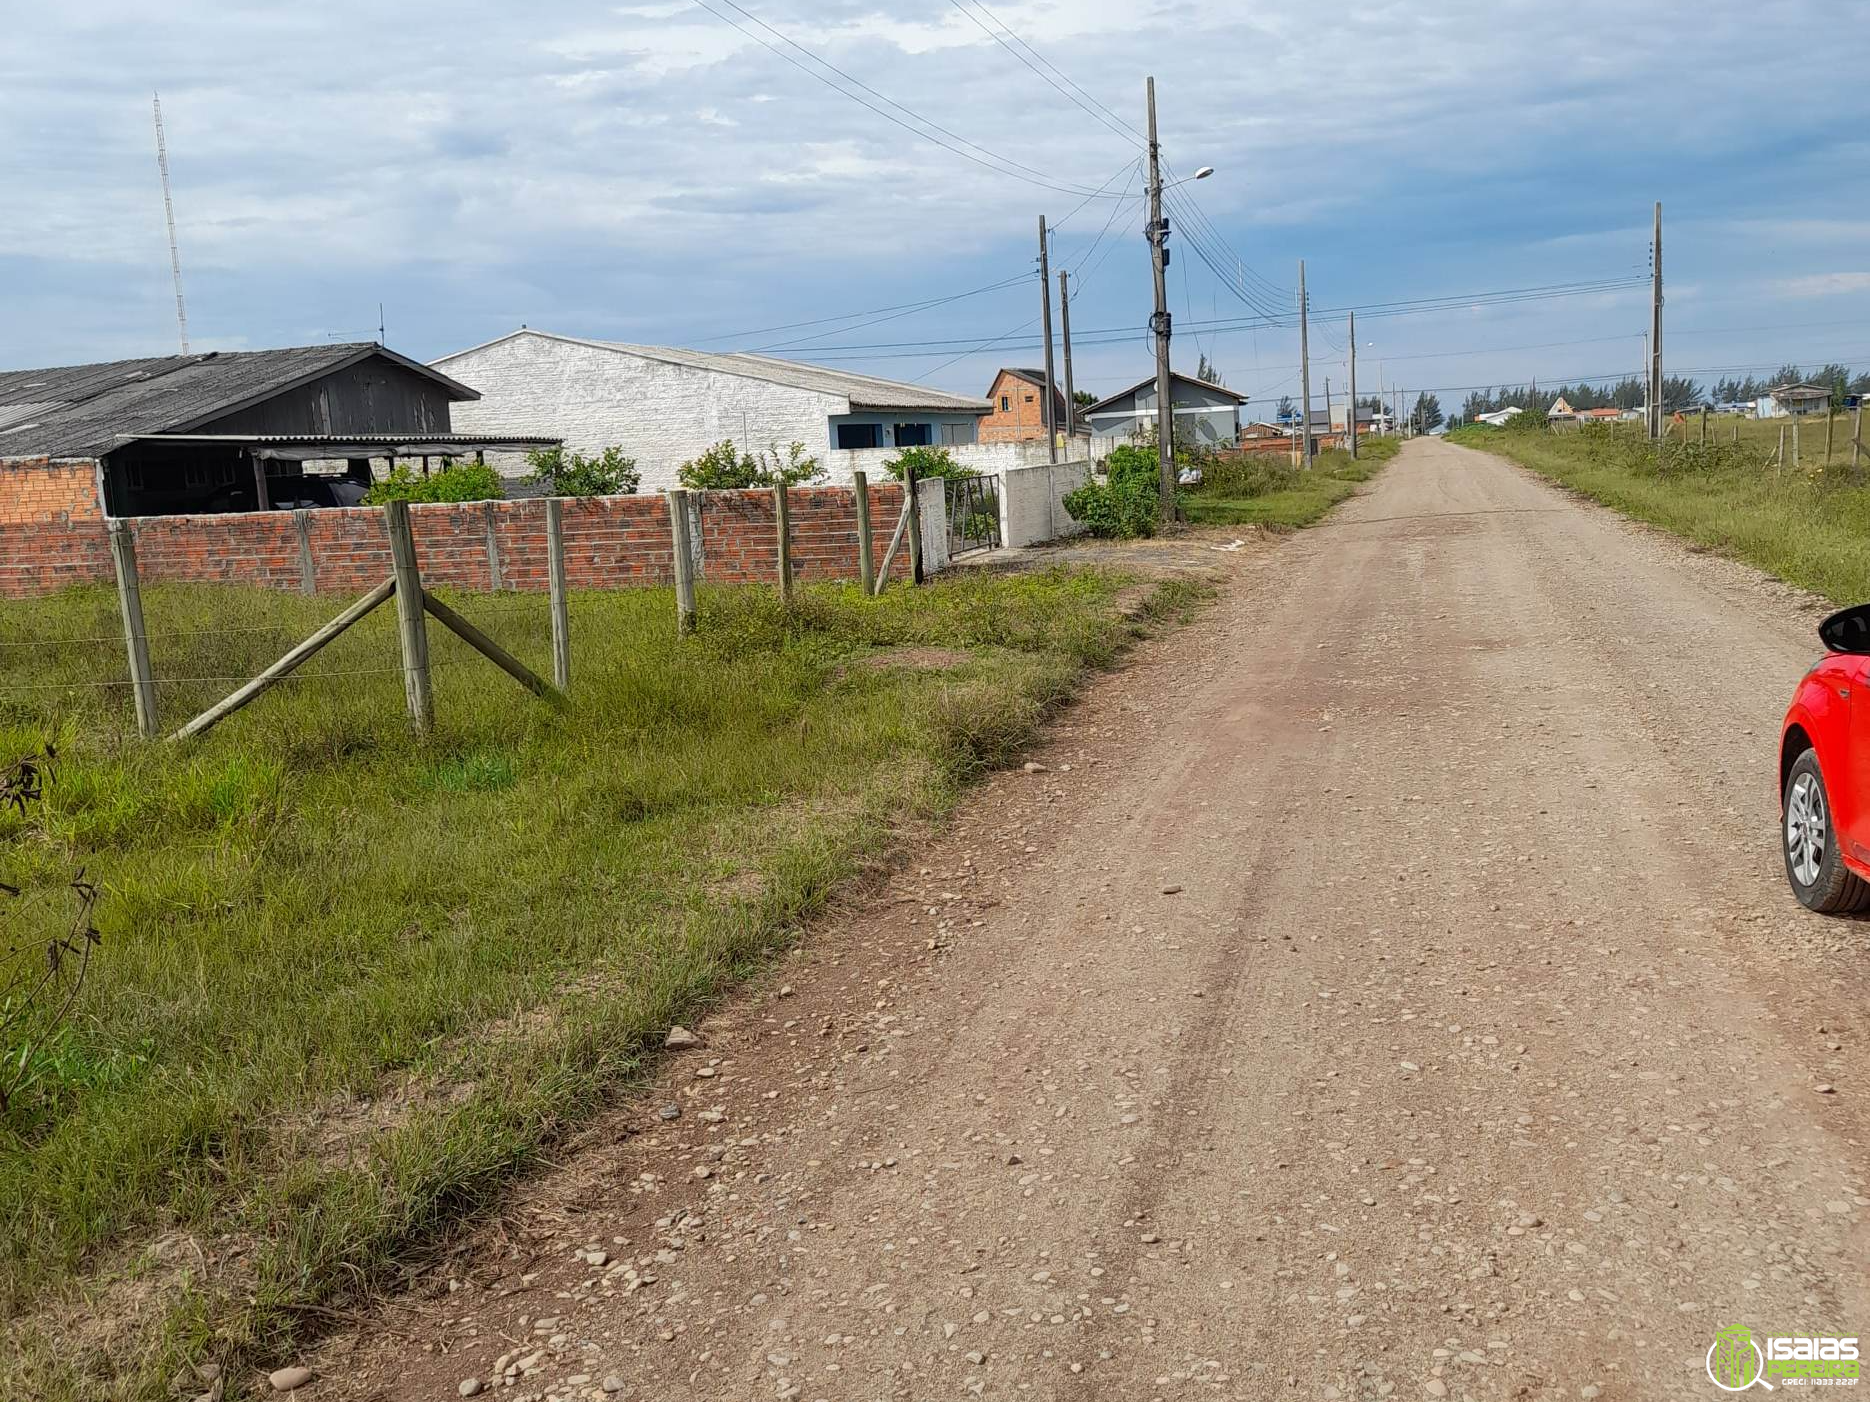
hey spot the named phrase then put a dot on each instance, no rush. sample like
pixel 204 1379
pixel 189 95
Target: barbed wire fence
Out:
pixel 200 665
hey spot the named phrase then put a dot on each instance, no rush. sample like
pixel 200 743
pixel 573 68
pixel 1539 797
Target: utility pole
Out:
pixel 1064 326
pixel 1351 422
pixel 1655 330
pixel 1305 374
pixel 1045 311
pixel 1327 406
pixel 1158 232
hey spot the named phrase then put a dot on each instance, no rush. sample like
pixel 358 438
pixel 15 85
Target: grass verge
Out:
pixel 352 983
pixel 1265 490
pixel 1809 527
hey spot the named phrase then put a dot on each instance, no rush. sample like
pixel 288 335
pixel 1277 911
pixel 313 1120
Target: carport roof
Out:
pixel 83 411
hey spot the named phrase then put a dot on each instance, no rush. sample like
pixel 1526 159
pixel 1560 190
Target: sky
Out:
pixel 681 174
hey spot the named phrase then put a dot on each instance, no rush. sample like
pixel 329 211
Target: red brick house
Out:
pixel 1018 412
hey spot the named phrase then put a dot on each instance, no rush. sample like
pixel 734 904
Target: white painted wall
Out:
pixel 658 413
pixel 1032 502
pixel 980 457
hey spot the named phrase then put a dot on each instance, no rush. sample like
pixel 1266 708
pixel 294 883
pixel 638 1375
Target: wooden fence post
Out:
pixel 1704 425
pixel 136 640
pixel 494 581
pixel 1857 433
pixel 1831 421
pixel 1795 439
pixel 555 574
pixel 782 524
pixel 866 566
pixel 411 623
pixel 684 562
pixel 915 523
pixel 308 566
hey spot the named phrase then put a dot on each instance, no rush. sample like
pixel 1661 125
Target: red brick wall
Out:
pixel 610 543
pixel 51 531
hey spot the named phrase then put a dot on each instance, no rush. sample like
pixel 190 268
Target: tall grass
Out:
pixel 1266 489
pixel 309 910
pixel 1809 526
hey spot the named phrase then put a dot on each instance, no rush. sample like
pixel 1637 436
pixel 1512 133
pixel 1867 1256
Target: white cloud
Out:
pixel 1822 284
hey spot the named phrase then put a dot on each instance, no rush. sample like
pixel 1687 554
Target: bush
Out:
pixel 726 468
pixel 563 474
pixel 928 462
pixel 1127 504
pixel 461 481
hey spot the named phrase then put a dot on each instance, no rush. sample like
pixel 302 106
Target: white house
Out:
pixel 664 406
pixel 1498 418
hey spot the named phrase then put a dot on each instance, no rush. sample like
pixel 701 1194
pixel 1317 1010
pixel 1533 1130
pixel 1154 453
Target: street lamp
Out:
pixel 1201 174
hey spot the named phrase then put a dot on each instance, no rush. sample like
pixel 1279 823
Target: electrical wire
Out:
pixel 1000 165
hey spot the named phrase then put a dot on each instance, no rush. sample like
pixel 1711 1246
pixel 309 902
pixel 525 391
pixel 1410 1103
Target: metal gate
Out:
pixel 973 514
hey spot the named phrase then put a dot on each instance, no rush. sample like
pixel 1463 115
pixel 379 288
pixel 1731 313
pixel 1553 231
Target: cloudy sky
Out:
pixel 680 173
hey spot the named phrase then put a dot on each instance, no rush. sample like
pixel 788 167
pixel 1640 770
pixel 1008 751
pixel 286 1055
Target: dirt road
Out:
pixel 1387 988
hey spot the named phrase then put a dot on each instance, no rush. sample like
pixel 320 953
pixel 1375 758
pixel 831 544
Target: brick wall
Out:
pixel 51 530
pixel 610 543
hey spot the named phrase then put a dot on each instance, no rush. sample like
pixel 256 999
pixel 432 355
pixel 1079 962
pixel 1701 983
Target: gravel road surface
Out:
pixel 1387 987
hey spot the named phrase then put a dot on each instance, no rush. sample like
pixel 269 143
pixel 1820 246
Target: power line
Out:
pixel 873 311
pixel 896 313
pixel 1005 165
pixel 1096 110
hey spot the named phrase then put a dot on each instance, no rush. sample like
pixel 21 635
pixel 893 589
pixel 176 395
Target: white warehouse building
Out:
pixel 663 406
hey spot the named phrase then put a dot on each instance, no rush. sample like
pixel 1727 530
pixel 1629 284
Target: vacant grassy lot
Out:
pixel 351 982
pixel 1266 490
pixel 1763 434
pixel 1810 526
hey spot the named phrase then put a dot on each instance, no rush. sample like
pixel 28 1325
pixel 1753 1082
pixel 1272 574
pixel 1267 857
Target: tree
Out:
pixel 1083 398
pixel 1789 375
pixel 1428 413
pixel 1205 370
pixel 1285 410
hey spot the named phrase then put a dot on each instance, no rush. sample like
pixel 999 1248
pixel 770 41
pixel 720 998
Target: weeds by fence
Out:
pixel 458 565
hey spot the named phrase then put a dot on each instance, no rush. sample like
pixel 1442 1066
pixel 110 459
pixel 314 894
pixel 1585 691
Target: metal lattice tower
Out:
pixel 168 209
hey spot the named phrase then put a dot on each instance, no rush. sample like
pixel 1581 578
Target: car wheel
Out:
pixel 1814 866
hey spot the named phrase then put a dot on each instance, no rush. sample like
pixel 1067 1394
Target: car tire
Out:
pixel 1808 841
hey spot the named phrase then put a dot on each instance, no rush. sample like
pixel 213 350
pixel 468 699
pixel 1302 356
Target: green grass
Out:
pixel 1809 526
pixel 485 931
pixel 1266 490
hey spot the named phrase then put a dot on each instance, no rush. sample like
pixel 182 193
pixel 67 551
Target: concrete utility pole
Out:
pixel 1158 231
pixel 1045 311
pixel 1655 330
pixel 1064 326
pixel 1305 374
pixel 1327 407
pixel 1351 422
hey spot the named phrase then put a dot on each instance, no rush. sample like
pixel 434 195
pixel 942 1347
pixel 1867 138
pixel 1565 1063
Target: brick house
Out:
pixel 1018 412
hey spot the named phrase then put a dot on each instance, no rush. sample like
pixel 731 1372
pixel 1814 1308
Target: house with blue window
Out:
pixel 664 406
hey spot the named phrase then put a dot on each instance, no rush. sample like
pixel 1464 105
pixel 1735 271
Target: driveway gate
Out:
pixel 973 514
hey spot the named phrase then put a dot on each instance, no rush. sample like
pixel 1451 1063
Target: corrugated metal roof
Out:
pixel 863 391
pixel 1177 377
pixel 84 410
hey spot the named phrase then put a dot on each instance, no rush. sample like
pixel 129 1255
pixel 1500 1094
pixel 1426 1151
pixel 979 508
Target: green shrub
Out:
pixel 928 462
pixel 564 474
pixel 461 481
pixel 725 468
pixel 1128 503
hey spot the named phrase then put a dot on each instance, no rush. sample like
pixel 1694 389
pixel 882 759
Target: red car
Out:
pixel 1824 772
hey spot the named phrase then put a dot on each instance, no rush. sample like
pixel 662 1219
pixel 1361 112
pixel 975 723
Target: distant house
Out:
pixel 1561 409
pixel 1017 412
pixel 1366 418
pixel 1799 397
pixel 1204 413
pixel 1499 417
pixel 664 406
